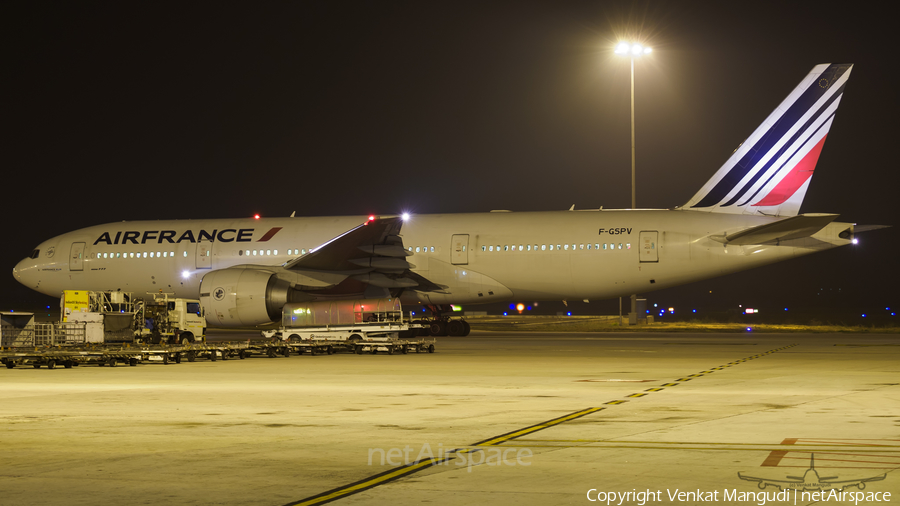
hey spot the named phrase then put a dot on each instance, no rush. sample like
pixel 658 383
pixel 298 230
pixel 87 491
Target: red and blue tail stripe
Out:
pixel 769 173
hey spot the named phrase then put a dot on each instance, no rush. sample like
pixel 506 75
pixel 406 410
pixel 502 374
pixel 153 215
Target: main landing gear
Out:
pixel 442 325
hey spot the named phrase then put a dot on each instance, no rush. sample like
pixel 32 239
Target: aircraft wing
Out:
pixel 371 253
pixel 341 253
pixel 855 481
pixel 763 480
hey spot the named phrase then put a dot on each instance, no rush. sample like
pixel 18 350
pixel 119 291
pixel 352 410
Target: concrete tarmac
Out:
pixel 499 418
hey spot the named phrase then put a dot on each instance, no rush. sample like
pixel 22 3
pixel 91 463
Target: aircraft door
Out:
pixel 76 257
pixel 459 246
pixel 204 255
pixel 649 246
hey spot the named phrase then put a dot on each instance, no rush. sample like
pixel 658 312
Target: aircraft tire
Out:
pixel 438 328
pixel 456 328
pixel 468 328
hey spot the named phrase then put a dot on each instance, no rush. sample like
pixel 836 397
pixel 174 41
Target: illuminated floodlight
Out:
pixel 520 307
pixel 185 274
pixel 404 216
pixel 855 240
pixel 633 50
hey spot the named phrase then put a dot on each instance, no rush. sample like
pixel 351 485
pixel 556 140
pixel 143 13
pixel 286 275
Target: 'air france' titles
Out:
pixel 169 236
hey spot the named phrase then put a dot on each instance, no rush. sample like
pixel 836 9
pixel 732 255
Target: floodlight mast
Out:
pixel 632 51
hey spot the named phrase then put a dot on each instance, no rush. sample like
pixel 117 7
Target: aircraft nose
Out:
pixel 23 271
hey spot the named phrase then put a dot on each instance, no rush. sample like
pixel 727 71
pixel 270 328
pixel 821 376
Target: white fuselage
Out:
pixel 506 256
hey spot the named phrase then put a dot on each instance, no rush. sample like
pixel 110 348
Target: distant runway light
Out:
pixel 749 329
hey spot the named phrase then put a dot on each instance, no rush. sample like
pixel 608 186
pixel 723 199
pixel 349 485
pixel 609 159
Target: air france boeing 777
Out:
pixel 245 270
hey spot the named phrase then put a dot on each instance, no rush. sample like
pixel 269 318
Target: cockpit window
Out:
pixel 34 254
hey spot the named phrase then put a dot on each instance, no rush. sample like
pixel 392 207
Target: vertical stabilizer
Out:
pixel 770 172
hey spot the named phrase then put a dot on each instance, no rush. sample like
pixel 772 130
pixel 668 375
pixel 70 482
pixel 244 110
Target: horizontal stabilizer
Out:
pixel 795 227
pixel 858 229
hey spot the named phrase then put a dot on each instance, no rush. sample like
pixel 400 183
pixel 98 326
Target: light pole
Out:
pixel 632 51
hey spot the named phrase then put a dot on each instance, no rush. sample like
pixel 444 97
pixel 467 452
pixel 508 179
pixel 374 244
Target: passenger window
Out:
pixel 490 248
pixel 543 247
pixel 483 248
pixel 628 245
pixel 432 249
pixel 620 245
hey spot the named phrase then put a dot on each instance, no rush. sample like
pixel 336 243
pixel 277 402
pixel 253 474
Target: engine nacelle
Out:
pixel 240 297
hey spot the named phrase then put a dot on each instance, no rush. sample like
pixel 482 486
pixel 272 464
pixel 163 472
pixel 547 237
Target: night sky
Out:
pixel 136 111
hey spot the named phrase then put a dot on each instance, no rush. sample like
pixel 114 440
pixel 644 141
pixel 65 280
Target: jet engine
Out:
pixel 241 297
